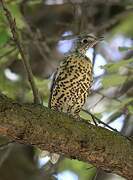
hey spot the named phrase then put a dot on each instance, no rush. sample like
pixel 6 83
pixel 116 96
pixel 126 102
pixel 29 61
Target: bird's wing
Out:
pixel 55 78
pixel 52 86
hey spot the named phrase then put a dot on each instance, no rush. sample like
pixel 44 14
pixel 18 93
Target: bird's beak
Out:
pixel 101 38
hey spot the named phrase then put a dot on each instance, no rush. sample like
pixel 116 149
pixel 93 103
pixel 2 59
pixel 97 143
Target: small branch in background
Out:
pixel 95 119
pixel 6 148
pixel 26 63
pixel 5 155
pixel 113 21
pixel 93 106
pixel 125 128
pixel 6 144
pixel 110 98
pixel 103 96
pixel 99 121
pixel 7 53
pixel 41 47
pixel 94 57
pixel 35 37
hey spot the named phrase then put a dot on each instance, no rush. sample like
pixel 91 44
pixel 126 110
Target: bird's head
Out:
pixel 86 41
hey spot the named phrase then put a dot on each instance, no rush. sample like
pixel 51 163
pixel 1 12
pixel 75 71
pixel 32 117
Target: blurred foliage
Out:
pixel 125 26
pixel 113 80
pixel 114 67
pixel 117 74
pixel 83 170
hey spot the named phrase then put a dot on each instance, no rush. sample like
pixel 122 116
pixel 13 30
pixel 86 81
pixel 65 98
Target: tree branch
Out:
pixel 59 133
pixel 26 63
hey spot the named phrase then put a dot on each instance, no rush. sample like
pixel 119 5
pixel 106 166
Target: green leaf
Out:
pixel 2 17
pixel 127 102
pixel 34 2
pixel 14 8
pixel 44 90
pixel 114 67
pixel 85 116
pixel 113 80
pixel 130 109
pixel 88 117
pixel 125 48
pixel 9 87
pixel 4 37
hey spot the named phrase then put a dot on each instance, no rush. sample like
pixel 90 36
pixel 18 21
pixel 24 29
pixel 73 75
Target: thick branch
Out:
pixel 56 132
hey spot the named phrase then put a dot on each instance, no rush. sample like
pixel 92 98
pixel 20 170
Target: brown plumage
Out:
pixel 73 78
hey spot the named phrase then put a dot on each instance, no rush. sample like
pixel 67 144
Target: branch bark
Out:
pixel 59 133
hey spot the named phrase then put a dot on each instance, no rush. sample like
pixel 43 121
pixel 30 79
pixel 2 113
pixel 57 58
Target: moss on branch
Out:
pixel 57 132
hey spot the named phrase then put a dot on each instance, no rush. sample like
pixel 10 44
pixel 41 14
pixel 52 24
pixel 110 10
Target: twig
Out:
pixel 114 20
pixel 7 53
pixel 97 102
pixel 26 63
pixel 111 98
pixel 102 97
pixel 33 36
pixel 99 121
pixel 106 125
pixel 36 37
pixel 94 57
pixel 89 168
pixel 5 155
pixel 6 144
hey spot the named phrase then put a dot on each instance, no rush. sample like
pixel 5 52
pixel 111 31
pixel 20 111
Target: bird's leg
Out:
pixel 94 120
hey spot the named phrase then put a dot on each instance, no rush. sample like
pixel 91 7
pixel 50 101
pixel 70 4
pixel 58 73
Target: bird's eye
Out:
pixel 85 41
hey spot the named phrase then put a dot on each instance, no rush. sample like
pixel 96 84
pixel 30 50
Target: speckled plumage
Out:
pixel 72 80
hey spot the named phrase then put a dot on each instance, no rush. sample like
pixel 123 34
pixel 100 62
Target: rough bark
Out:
pixel 57 132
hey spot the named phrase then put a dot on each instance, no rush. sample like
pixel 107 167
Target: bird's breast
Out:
pixel 72 82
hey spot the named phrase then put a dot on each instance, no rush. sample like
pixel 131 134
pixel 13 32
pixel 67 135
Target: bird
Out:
pixel 73 78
